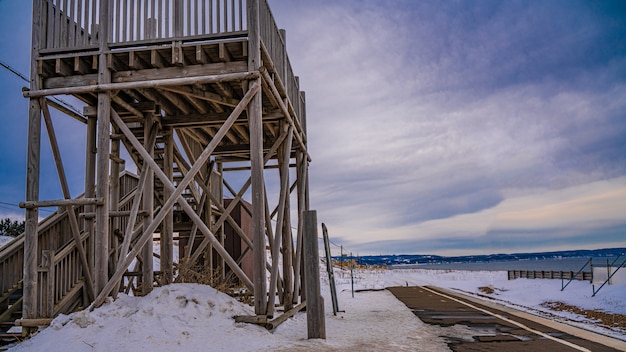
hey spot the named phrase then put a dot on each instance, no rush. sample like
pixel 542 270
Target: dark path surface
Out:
pixel 473 327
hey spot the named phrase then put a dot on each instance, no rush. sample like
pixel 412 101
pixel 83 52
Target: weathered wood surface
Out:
pixel 222 88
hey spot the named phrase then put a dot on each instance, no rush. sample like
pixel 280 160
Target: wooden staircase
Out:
pixel 60 276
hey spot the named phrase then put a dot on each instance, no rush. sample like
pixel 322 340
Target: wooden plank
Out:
pixel 274 323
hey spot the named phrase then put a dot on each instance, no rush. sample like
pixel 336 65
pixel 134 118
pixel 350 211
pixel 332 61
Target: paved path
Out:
pixel 472 326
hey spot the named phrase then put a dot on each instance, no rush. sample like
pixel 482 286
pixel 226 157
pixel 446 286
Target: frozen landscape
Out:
pixel 196 317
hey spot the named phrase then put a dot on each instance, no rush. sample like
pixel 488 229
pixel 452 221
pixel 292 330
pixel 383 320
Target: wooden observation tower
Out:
pixel 194 93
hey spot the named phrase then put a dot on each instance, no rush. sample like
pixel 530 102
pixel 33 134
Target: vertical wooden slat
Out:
pixel 178 18
pixel 138 21
pixel 218 16
pixel 188 3
pixel 49 25
pixel 71 32
pixel 210 16
pixel 159 19
pixel 196 17
pixel 225 14
pixel 131 21
pixel 94 22
pixel 118 28
pixel 167 18
pixel 203 16
pixel 57 26
pixel 63 25
pixel 80 33
pixel 240 15
pixel 86 22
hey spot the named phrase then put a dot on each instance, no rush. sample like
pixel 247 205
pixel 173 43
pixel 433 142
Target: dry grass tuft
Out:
pixel 610 320
pixel 487 290
pixel 199 274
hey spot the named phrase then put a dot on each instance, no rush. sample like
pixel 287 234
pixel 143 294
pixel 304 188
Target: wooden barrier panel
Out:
pixel 566 275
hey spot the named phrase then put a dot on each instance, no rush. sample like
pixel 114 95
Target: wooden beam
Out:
pixel 106 87
pixel 61 203
pixel 203 95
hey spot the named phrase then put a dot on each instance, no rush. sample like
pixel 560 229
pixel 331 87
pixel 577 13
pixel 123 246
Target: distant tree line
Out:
pixel 11 228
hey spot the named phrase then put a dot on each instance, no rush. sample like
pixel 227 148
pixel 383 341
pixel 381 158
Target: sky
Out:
pixel 435 127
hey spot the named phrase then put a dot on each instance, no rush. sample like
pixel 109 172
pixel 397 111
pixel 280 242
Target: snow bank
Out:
pixel 197 317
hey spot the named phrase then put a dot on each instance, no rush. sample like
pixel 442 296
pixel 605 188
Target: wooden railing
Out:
pixel 274 43
pixel 73 24
pixel 60 273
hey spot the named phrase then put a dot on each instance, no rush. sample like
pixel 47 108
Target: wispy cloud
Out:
pixel 439 123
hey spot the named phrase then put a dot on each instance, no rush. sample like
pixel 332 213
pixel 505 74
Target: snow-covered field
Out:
pixel 194 317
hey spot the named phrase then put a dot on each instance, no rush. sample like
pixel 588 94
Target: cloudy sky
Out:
pixel 442 127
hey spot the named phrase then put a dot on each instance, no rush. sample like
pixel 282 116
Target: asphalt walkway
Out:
pixel 473 326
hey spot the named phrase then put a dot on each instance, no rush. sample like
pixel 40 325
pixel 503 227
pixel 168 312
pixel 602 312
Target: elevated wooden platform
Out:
pixel 201 95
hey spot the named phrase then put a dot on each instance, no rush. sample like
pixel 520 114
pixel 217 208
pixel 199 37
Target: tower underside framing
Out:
pixel 199 96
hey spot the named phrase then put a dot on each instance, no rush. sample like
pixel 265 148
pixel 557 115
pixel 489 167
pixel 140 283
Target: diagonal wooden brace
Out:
pixel 176 197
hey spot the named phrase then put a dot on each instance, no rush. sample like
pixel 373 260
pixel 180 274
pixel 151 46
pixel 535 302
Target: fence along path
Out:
pixel 567 275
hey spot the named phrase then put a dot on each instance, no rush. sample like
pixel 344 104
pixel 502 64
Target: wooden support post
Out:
pixel 167 228
pixel 101 274
pixel 114 197
pixel 298 281
pixel 280 236
pixel 316 325
pixel 256 163
pixel 287 240
pixel 90 184
pixel 29 303
pixel 148 205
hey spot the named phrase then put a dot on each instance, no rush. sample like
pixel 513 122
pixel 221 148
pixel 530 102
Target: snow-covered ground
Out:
pixel 189 317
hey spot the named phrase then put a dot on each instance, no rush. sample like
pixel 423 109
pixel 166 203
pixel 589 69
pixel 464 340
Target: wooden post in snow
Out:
pixel 29 305
pixel 256 164
pixel 316 326
pixel 101 274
